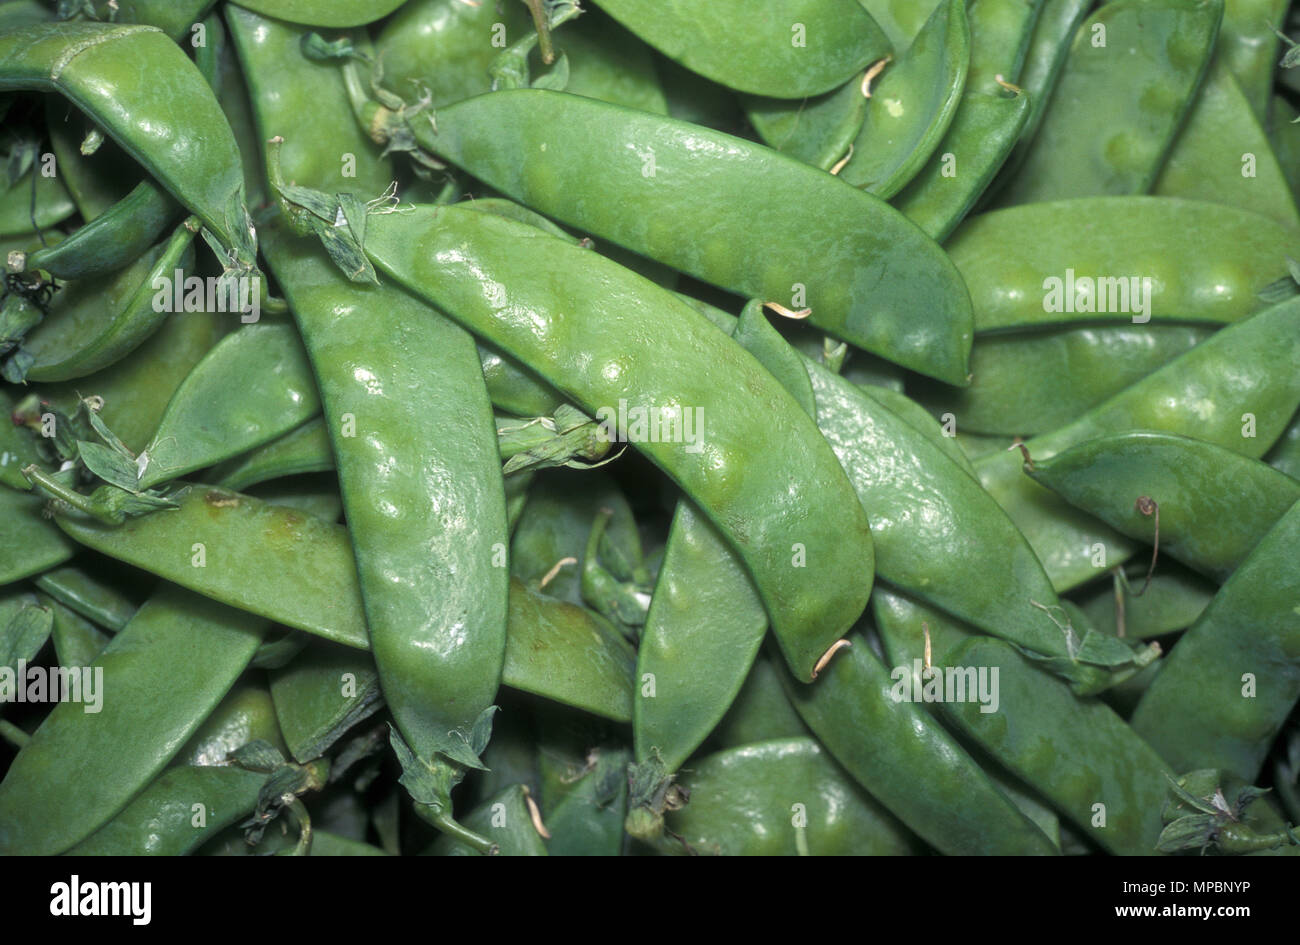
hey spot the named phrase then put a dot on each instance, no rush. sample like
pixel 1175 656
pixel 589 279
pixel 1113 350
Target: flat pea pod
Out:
pixel 1214 504
pixel 920 420
pixel 817 131
pixel 258 376
pixel 22 211
pixel 1000 35
pixel 1223 155
pixel 325 691
pixel 434 598
pixel 1234 676
pixel 77 587
pixel 586 819
pixel 872 277
pixel 161 819
pixel 1033 382
pixel 742 801
pixel 609 63
pixel 1248 46
pixel 157 123
pixel 505 820
pixel 515 389
pixel 25 626
pixel 77 641
pixel 1172 602
pixel 913 105
pixel 909 763
pixel 1200 392
pixel 81 768
pixel 303 449
pixel 779 48
pixel 760 712
pixel 1115 259
pixel 173 17
pixel 649 341
pixel 982 134
pixel 1133 72
pixel 30 546
pixel 339 14
pixel 246 714
pixel 1285 454
pixel 900 19
pixel 102 324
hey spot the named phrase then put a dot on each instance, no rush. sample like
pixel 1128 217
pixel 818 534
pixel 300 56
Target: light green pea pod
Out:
pixel 817 131
pixel 246 714
pixel 900 19
pixel 321 695
pixel 1248 46
pixel 25 625
pixel 77 641
pixel 173 17
pixel 301 450
pixel 339 14
pixel 1000 35
pixel 760 712
pixel 1285 135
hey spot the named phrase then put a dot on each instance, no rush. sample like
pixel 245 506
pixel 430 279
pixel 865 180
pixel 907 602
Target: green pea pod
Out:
pixel 316 496
pixel 1285 136
pixel 22 211
pixel 782 798
pixel 758 517
pixel 1192 483
pixel 322 694
pixel 1027 383
pixel 173 17
pixel 982 134
pixel 301 450
pixel 1172 602
pixel 1249 45
pixel 78 588
pixel 922 421
pixel 587 817
pixel 158 123
pixel 102 324
pixel 1223 155
pixel 180 810
pixel 77 641
pixel 25 626
pixel 31 545
pixel 264 389
pixel 609 63
pixel 817 131
pixel 332 13
pixel 98 181
pixel 246 714
pixel 909 763
pixel 505 819
pixel 1285 454
pixel 1000 36
pixel 1132 75
pixel 913 105
pixel 914 311
pixel 1116 259
pixel 901 19
pixel 112 239
pixel 788 49
pixel 81 768
pixel 760 711
pixel 1200 392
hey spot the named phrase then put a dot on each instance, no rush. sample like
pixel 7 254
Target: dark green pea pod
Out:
pixel 506 820
pixel 760 712
pixel 302 450
pixel 694 99
pixel 78 588
pixel 1033 382
pixel 976 445
pixel 157 123
pixel 1118 259
pixel 1000 35
pixel 1248 45
pixel 259 376
pixel 1190 484
pixel 790 49
pixel 81 768
pixel 1285 454
pixel 913 104
pixel 1201 392
pixel 112 239
pixel 625 156
pixel 96 181
pixel 77 641
pixel 31 545
pixel 1133 72
pixel 1172 602
pixel 1223 155
pixel 321 695
pixel 783 798
pixel 817 131
pixel 173 17
pixel 909 763
pixel 609 63
pixel 1234 676
pixel 758 517
pixel 338 14
pixel 21 211
pixel 180 810
pixel 900 19
pixel 587 817
pixel 246 714
pixel 981 136
pixel 25 625
pixel 101 324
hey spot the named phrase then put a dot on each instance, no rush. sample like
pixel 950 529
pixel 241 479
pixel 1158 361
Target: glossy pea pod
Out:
pixel 1234 677
pixel 246 714
pixel 1000 35
pixel 1134 69
pixel 303 449
pixel 622 314
pixel 817 131
pixel 788 49
pixel 783 798
pixel 872 278
pixel 912 105
pixel 160 124
pixel 1214 504
pixel 1118 259
pixel 586 819
pixel 81 768
pixel 1200 393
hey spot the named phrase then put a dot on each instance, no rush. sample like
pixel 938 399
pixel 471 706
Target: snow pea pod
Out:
pixel 785 49
pixel 1285 454
pixel 1285 136
pixel 445 254
pixel 817 131
pixel 1234 676
pixel 21 211
pixel 1027 383
pixel 161 676
pixel 30 545
pixel 78 587
pixel 782 798
pixel 1000 35
pixel 112 239
pixel 1248 45
pixel 609 63
pixel 1222 155
pixel 99 325
pixel 1132 74
pixel 1172 602
pixel 25 626
pixel 981 136
pixel 333 13
pixel 302 450
pixel 913 105
pixel 760 712
pixel 246 714
pixel 173 17
pixel 1214 504
pixel 908 762
pixel 175 129
pixel 871 277
pixel 1118 259
pixel 586 819
pixel 77 641
pixel 900 19
pixel 325 691
pixel 1201 392
pixel 505 820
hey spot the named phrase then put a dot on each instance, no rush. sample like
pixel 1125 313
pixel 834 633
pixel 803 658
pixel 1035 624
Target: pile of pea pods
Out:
pixel 753 427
